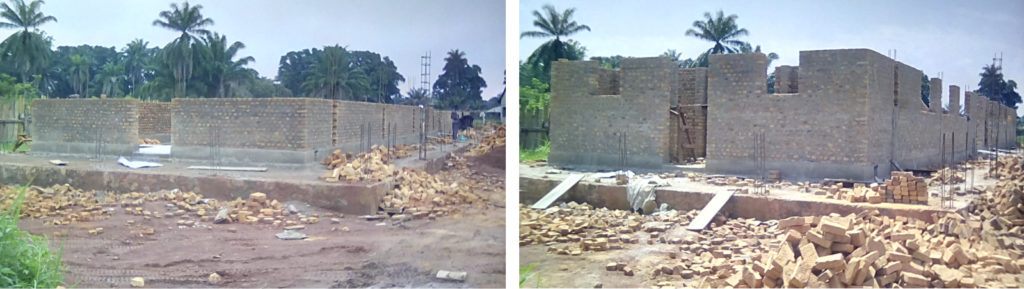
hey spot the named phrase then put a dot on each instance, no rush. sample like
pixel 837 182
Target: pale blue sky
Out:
pixel 956 38
pixel 403 30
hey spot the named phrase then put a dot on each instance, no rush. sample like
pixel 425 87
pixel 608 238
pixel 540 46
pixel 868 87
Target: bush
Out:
pixel 25 260
pixel 537 154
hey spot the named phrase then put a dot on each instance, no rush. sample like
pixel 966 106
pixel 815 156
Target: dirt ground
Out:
pixel 367 254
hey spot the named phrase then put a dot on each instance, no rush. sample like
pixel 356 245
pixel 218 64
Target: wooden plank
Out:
pixel 558 191
pixel 710 210
pixel 239 169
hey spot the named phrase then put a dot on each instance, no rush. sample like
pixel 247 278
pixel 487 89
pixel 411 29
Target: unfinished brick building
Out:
pixel 243 130
pixel 646 114
pixel 849 113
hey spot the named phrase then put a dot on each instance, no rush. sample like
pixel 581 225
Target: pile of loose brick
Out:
pixel 421 194
pixel 577 224
pixel 63 203
pixel 946 176
pixel 371 166
pixel 1001 209
pixel 872 250
pixel 494 139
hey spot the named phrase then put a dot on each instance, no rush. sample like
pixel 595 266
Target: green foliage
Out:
pixel 555 24
pixel 416 96
pixel 536 154
pixel 10 89
pixel 926 90
pixel 374 78
pixel 993 86
pixel 609 62
pixel 332 75
pixel 526 272
pixel 26 52
pixel 722 31
pixel 460 85
pixel 534 96
pixel 25 260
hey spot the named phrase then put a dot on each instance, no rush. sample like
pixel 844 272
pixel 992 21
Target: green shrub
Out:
pixel 539 153
pixel 25 260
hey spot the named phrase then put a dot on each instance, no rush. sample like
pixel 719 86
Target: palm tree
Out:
pixel 190 22
pixel 557 25
pixel 333 76
pixel 720 29
pixel 135 55
pixel 110 76
pixel 224 70
pixel 80 74
pixel 28 50
pixel 416 96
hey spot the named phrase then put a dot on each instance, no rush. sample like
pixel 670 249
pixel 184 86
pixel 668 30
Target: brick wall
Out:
pixel 589 128
pixel 252 123
pixel 154 119
pixel 935 95
pixel 114 121
pixel 689 127
pixel 786 79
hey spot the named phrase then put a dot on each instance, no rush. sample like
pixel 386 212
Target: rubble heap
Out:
pixel 67 205
pixel 591 229
pixel 489 142
pixel 946 176
pixel 868 249
pixel 371 166
pixel 419 193
pixel 1001 208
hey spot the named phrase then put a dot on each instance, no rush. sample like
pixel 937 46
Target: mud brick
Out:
pixel 627 271
pixel 899 257
pixel 857 237
pixel 834 261
pixel 914 267
pixel 892 267
pixel 840 238
pixel 686 274
pixel 896 237
pixel 791 222
pixel 915 280
pixel 793 237
pixel 774 270
pixel 612 266
pixel 922 255
pixel 830 226
pixel 968 282
pixel 808 253
pixel 817 238
pixel 842 248
pixel 751 278
pixel 851 270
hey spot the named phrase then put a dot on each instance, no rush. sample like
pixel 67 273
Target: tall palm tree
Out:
pixel 224 70
pixel 80 74
pixel 110 75
pixel 557 25
pixel 333 76
pixel 135 56
pixel 721 30
pixel 189 21
pixel 28 50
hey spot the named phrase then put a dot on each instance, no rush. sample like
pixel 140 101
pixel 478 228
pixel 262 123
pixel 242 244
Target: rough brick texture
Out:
pixel 857 113
pixel 154 119
pixel 786 79
pixel 112 121
pixel 590 128
pixel 252 123
pixel 689 127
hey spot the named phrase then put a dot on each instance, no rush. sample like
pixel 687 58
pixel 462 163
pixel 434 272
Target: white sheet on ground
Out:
pixel 148 149
pixel 137 164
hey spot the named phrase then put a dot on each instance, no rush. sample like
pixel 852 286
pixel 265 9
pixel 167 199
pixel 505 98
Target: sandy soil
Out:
pixel 367 255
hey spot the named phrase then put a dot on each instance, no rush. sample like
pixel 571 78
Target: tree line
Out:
pixel 202 63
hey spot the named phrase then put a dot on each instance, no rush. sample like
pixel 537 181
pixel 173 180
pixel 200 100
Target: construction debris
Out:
pixel 370 166
pixel 149 141
pixel 421 194
pixel 452 275
pixel 946 176
pixel 492 140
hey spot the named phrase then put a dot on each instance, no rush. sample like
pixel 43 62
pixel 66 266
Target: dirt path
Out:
pixel 365 255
